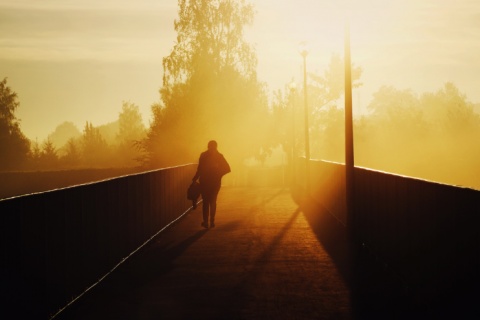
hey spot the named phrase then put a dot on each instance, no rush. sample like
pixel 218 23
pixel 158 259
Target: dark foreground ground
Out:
pixel 267 258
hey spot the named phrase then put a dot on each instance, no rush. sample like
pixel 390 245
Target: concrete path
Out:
pixel 266 259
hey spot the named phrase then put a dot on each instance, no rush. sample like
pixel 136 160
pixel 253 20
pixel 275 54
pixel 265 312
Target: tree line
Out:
pixel 432 135
pixel 210 91
pixel 106 146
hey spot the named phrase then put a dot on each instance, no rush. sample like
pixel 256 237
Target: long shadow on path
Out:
pixel 376 291
pixel 127 278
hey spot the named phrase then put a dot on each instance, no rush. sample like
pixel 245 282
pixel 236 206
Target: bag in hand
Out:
pixel 193 193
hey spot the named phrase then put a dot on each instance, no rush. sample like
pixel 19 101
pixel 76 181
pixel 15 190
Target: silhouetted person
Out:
pixel 212 166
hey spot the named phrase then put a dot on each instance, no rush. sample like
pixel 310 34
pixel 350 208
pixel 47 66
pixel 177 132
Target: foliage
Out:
pixel 209 39
pixel 72 157
pixel 105 146
pixel 130 124
pixel 43 157
pixel 35 154
pixel 450 110
pixel 14 146
pixel 328 88
pixel 49 154
pixel 210 89
pixel 130 132
pixel 63 133
pixel 328 125
pixel 433 136
pixel 283 130
pixel 94 146
pixel 326 119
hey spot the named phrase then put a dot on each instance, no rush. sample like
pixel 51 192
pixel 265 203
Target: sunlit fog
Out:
pixel 146 84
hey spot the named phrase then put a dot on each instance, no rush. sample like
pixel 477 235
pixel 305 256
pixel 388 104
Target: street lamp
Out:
pixel 303 49
pixel 304 52
pixel 349 147
pixel 293 87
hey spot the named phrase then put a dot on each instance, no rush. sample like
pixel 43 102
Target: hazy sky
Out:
pixel 71 60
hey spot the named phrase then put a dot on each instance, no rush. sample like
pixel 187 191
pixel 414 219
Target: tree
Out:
pixel 326 118
pixel 35 155
pixel 449 111
pixel 433 136
pixel 399 113
pixel 209 39
pixel 284 121
pixel 14 146
pixel 329 125
pixel 48 156
pixel 130 124
pixel 63 133
pixel 150 145
pixel 395 133
pixel 72 155
pixel 130 132
pixel 210 89
pixel 329 87
pixel 95 149
pixel 390 104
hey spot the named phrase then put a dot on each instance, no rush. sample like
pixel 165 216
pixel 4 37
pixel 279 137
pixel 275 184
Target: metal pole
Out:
pixel 349 153
pixel 307 137
pixel 292 98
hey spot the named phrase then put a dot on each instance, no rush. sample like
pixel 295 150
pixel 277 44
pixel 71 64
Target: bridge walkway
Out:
pixel 267 258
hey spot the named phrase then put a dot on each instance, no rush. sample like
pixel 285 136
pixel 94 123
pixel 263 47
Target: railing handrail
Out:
pixel 96 181
pixel 58 242
pixel 410 224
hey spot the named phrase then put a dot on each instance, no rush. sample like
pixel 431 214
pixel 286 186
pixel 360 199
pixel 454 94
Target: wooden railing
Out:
pixel 426 232
pixel 54 245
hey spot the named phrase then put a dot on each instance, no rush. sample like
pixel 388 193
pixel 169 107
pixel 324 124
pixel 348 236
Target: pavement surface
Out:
pixel 268 257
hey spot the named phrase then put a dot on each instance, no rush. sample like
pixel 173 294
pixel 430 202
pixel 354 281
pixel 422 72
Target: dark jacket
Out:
pixel 212 166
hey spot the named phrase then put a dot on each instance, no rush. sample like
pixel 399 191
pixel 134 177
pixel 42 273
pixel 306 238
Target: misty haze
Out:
pixel 239 159
pixel 212 88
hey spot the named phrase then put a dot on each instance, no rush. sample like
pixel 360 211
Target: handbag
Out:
pixel 193 193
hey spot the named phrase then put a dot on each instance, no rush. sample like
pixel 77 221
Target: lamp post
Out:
pixel 293 87
pixel 349 147
pixel 304 52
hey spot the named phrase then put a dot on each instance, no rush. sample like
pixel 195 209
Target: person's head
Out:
pixel 212 145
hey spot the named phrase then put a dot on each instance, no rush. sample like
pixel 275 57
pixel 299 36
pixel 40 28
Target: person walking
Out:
pixel 212 166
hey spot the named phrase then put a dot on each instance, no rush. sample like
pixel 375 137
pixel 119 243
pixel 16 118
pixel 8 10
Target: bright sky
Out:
pixel 71 60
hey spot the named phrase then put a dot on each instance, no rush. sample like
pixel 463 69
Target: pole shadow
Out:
pixel 375 292
pixel 234 302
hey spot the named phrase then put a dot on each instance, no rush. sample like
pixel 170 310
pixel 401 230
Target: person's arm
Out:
pixel 197 174
pixel 225 166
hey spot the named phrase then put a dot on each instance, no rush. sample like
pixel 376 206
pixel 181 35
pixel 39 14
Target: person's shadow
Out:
pixel 145 267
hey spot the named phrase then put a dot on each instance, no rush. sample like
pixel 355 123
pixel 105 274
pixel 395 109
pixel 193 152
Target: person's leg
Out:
pixel 205 207
pixel 213 206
